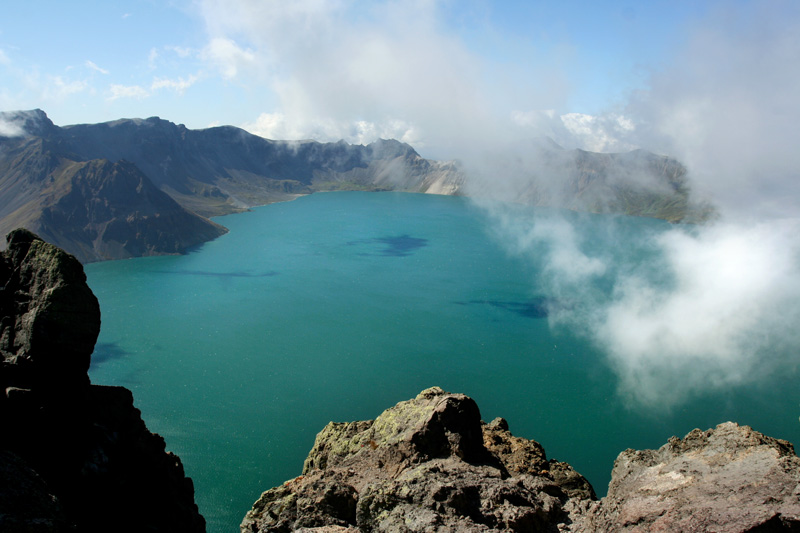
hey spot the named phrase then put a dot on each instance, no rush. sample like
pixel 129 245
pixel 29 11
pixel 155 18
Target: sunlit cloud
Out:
pixel 228 57
pixel 58 88
pixel 278 126
pixel 127 91
pixel 152 58
pixel 179 86
pixel 727 317
pixel 727 106
pixel 329 68
pixel 10 129
pixel 181 51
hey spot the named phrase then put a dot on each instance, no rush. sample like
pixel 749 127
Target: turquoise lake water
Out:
pixel 337 306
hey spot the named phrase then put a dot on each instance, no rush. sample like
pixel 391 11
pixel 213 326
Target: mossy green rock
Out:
pixel 420 466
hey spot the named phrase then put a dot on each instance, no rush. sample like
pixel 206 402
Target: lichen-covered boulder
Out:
pixel 430 464
pixel 422 465
pixel 730 479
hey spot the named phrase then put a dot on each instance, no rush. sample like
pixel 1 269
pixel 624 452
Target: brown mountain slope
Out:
pixel 94 209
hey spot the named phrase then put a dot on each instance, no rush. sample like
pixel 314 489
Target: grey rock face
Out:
pixel 420 466
pixel 727 479
pixel 49 317
pixel 430 464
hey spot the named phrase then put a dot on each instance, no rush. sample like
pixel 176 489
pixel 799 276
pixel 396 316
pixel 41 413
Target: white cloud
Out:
pixel 135 92
pixel 734 296
pixel 716 306
pixel 181 51
pixel 278 126
pixel 10 129
pixel 152 58
pixel 334 65
pixel 727 106
pixel 91 65
pixel 57 88
pixel 600 133
pixel 228 57
pixel 179 86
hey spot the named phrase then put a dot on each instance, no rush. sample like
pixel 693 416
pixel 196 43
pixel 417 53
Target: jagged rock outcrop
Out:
pixel 421 466
pixel 728 479
pixel 430 464
pixel 78 455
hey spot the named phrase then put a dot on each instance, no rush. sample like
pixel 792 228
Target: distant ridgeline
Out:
pixel 136 187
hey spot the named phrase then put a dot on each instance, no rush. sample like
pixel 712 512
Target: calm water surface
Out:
pixel 337 306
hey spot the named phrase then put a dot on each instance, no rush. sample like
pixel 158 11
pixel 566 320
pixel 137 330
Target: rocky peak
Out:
pixel 22 123
pixel 727 479
pixel 422 465
pixel 430 464
pixel 80 454
pixel 50 318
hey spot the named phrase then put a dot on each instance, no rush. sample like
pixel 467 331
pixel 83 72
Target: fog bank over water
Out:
pixel 717 305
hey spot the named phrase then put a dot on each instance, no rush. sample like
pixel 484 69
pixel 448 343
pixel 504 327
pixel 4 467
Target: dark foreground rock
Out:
pixel 430 464
pixel 73 456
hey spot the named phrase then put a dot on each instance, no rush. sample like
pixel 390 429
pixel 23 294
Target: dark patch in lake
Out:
pixel 538 307
pixel 220 274
pixel 105 351
pixel 396 246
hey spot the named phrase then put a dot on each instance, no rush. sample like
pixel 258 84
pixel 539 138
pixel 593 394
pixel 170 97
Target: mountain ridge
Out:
pixel 224 169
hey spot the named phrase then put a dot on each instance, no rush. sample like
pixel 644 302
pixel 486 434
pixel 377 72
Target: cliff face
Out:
pixel 226 169
pixel 430 464
pixel 66 183
pixel 95 209
pixel 73 456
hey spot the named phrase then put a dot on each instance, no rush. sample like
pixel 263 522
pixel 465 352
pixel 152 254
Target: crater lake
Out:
pixel 336 306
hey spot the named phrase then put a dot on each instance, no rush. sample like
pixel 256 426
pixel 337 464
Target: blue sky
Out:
pixel 696 80
pixel 205 62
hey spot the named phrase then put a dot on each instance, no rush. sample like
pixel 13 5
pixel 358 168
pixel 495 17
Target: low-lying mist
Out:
pixel 711 305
